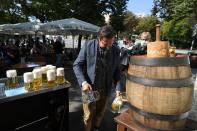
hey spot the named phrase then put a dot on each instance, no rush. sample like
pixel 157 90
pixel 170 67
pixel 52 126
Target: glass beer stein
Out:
pixel 51 77
pixel 37 78
pixel 12 80
pixel 172 51
pixel 90 96
pixel 28 81
pixel 60 76
pixel 44 75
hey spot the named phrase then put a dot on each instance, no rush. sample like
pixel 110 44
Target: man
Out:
pixel 140 45
pixel 58 48
pixel 96 68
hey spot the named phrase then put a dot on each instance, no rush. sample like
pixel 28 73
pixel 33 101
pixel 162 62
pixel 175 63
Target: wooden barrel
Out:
pixel 160 91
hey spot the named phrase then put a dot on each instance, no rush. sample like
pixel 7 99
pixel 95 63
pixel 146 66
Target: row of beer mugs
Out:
pixel 47 75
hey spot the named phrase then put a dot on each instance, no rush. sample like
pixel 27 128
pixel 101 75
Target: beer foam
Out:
pixel 37 73
pixel 28 77
pixel 52 68
pixel 11 73
pixel 44 69
pixel 48 65
pixel 51 75
pixel 60 71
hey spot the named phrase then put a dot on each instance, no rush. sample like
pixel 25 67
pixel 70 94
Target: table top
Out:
pixel 11 94
pixel 127 120
pixel 28 65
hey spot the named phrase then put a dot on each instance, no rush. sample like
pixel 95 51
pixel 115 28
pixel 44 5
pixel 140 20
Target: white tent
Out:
pixel 20 28
pixel 69 26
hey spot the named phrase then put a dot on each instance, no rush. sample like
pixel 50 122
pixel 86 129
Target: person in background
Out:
pixel 145 37
pixel 140 45
pixel 35 50
pixel 10 54
pixel 97 68
pixel 58 49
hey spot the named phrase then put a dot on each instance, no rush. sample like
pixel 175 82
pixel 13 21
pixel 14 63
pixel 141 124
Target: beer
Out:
pixel 28 81
pixel 12 80
pixel 37 78
pixel 172 51
pixel 44 74
pixel 51 77
pixel 60 76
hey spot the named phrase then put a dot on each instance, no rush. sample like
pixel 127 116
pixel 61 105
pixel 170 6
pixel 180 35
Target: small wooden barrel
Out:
pixel 160 91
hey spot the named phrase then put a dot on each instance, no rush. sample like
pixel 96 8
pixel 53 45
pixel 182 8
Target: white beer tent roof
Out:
pixel 69 26
pixel 20 28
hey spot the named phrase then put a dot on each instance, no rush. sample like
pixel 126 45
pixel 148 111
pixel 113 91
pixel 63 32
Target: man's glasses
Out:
pixel 145 39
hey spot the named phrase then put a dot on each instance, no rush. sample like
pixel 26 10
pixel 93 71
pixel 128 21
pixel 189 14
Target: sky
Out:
pixel 140 7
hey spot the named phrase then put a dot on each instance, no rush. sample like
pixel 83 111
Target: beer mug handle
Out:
pixel 96 95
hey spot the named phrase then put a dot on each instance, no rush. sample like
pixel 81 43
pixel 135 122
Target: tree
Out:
pixel 118 15
pixel 130 22
pixel 147 24
pixel 178 16
pixel 10 12
pixel 178 32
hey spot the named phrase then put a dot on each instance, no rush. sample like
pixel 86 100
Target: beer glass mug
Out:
pixel 51 77
pixel 60 76
pixel 37 78
pixel 90 96
pixel 172 51
pixel 44 74
pixel 12 80
pixel 117 103
pixel 28 81
pixel 51 68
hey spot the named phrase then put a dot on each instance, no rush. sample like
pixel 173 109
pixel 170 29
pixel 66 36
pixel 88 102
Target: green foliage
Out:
pixel 147 24
pixel 178 17
pixel 14 11
pixel 130 23
pixel 118 15
pixel 10 12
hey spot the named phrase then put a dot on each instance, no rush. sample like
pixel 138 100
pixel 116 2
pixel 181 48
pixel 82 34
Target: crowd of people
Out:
pixel 13 51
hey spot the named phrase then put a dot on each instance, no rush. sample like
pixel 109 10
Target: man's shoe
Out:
pixel 96 129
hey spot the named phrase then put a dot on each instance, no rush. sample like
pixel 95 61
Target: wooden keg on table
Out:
pixel 160 90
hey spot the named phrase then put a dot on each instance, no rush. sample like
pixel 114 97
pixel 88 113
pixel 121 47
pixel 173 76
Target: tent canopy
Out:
pixel 70 26
pixel 20 28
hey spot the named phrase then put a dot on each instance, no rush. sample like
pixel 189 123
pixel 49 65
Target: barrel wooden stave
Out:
pixel 165 101
pixel 159 124
pixel 163 73
pixel 160 100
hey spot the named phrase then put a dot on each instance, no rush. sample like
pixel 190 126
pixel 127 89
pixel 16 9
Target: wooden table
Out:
pixel 125 121
pixel 45 109
pixel 28 65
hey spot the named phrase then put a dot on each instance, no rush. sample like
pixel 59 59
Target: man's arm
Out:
pixel 117 75
pixel 79 65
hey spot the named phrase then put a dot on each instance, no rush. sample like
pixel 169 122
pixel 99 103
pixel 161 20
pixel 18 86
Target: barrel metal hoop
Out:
pixel 159 116
pixel 149 82
pixel 164 61
pixel 153 129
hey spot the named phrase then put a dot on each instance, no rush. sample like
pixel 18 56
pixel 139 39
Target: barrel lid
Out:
pixel 142 60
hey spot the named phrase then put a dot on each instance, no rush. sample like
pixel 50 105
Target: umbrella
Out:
pixel 20 28
pixel 71 26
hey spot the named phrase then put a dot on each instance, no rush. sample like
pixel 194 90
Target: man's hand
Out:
pixel 118 93
pixel 86 87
